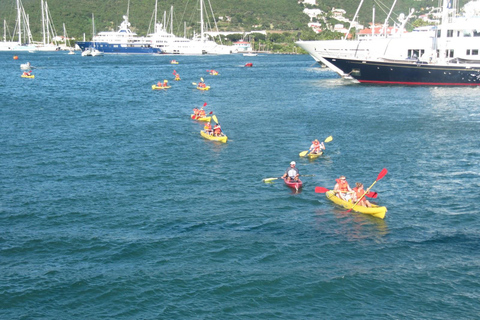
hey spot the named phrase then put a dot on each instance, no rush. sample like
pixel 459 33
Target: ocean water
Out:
pixel 112 206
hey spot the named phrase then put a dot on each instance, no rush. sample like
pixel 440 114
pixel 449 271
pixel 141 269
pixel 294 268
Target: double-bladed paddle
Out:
pixel 266 180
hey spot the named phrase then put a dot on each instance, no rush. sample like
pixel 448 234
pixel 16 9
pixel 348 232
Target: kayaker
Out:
pixel 359 191
pixel 208 128
pixel 316 147
pixel 201 84
pixel 201 113
pixel 159 84
pixel 291 173
pixel 177 77
pixel 27 73
pixel 165 83
pixel 342 189
pixel 217 130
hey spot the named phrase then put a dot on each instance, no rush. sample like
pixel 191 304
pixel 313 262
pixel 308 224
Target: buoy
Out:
pixel 15 57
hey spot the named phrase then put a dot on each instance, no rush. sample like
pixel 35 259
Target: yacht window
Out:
pixel 449 33
pixel 476 33
pixel 467 33
pixel 475 52
pixel 468 52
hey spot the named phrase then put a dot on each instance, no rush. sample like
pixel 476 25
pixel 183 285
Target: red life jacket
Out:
pixel 358 192
pixel 342 185
pixel 208 127
pixel 217 129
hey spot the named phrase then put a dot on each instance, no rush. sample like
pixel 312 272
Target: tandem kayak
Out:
pixel 154 87
pixel 222 139
pixel 194 117
pixel 29 77
pixel 293 184
pixel 376 211
pixel 204 88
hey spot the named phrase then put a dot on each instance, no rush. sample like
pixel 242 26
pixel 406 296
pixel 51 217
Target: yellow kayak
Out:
pixel 206 119
pixel 314 155
pixel 154 87
pixel 376 211
pixel 30 76
pixel 212 137
pixel 204 88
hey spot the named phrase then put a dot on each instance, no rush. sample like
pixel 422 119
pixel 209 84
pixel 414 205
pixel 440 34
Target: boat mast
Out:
pixel 388 17
pixel 373 21
pixel 353 20
pixel 202 36
pixel 155 17
pixel 19 17
pixel 171 19
pixel 443 36
pixel 43 22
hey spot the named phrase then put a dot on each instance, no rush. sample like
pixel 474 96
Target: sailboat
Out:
pixel 92 51
pixel 172 44
pixel 48 30
pixel 20 45
pixel 67 43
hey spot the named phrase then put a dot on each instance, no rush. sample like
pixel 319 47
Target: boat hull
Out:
pixel 293 184
pixel 222 139
pixel 314 155
pixel 376 211
pixel 154 87
pixel 119 48
pixel 407 73
pixel 29 77
pixel 204 88
pixel 206 119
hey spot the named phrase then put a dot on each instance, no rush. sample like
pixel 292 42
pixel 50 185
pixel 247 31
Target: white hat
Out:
pixel 293 162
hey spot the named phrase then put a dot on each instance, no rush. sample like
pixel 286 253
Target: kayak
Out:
pixel 204 88
pixel 154 87
pixel 376 211
pixel 293 184
pixel 214 74
pixel 173 62
pixel 214 138
pixel 194 117
pixel 314 155
pixel 30 76
pixel 249 64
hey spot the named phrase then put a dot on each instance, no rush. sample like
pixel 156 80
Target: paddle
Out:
pixel 380 176
pixel 304 153
pixel 272 179
pixel 214 117
pixel 370 194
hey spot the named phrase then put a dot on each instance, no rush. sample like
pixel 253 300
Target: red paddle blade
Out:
pixel 382 174
pixel 372 194
pixel 204 104
pixel 321 190
pixel 211 112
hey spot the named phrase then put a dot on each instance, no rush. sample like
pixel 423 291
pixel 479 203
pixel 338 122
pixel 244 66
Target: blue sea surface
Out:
pixel 112 206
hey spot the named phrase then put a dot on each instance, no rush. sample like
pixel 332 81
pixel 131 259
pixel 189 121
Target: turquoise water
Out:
pixel 112 205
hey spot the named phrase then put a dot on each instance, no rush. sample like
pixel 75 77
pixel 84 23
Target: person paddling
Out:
pixel 342 189
pixel 358 193
pixel 316 147
pixel 208 128
pixel 217 130
pixel 291 173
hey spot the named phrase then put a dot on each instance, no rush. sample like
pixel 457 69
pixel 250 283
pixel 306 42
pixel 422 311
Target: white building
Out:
pixel 312 13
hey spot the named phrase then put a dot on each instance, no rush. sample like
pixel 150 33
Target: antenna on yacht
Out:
pixel 384 30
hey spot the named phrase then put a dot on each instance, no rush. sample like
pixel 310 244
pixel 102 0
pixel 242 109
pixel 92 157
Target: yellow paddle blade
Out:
pixel 214 117
pixel 194 83
pixel 303 153
pixel 202 79
pixel 329 139
pixel 269 180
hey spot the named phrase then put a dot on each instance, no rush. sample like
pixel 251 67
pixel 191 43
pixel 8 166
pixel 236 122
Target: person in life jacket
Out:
pixel 195 113
pixel 217 130
pixel 27 73
pixel 316 147
pixel 291 173
pixel 201 84
pixel 208 128
pixel 358 193
pixel 201 113
pixel 165 83
pixel 159 84
pixel 342 189
pixel 177 77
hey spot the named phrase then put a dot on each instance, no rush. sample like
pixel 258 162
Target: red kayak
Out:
pixel 248 64
pixel 294 184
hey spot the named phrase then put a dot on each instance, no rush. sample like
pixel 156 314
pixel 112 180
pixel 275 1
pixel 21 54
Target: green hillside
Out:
pixel 243 14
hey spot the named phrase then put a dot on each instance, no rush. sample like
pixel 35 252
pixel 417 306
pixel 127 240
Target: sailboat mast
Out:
pixel 201 22
pixel 19 17
pixel 171 19
pixel 43 21
pixel 155 19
